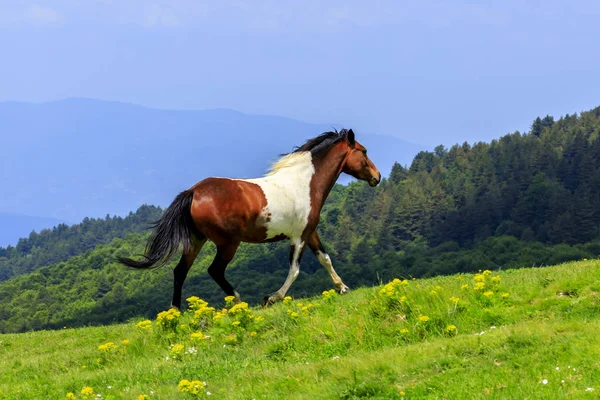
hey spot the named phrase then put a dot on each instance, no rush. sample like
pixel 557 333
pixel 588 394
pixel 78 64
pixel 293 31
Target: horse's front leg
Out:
pixel 314 242
pixel 296 251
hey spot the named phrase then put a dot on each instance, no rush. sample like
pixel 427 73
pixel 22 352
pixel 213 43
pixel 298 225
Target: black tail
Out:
pixel 174 226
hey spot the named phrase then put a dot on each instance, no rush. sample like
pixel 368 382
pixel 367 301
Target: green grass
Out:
pixel 366 344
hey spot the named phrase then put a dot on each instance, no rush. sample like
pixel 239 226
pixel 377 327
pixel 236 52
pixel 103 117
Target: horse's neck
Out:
pixel 327 171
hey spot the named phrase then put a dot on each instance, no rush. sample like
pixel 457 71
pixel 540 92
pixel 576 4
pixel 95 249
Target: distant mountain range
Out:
pixel 13 227
pixel 75 158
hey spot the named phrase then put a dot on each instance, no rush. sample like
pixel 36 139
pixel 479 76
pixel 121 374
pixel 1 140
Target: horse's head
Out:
pixel 358 163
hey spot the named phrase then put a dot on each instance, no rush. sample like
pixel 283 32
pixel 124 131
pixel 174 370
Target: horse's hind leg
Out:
pixel 181 270
pixel 216 270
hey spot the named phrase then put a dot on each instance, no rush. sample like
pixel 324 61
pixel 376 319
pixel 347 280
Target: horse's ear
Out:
pixel 351 137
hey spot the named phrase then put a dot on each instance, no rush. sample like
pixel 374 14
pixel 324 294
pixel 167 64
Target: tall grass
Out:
pixel 529 333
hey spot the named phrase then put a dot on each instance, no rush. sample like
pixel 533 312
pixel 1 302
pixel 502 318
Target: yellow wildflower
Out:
pixel 465 286
pixel 488 294
pixel 71 396
pixel 478 286
pixel 198 336
pixel 294 314
pixel 177 350
pixel 451 329
pixel 229 299
pixel 204 311
pixel 168 315
pixel 107 347
pixel 454 299
pixel 479 278
pixel 235 323
pixel 195 303
pixel 142 397
pixel 125 342
pixel 423 318
pixel 239 308
pixel 433 292
pixel 145 325
pixel 402 394
pixel 487 272
pixel 505 295
pixel 252 333
pixel 169 319
pixel 288 299
pixel 218 315
pixel 87 391
pixel 496 279
pixel 260 318
pixel 192 387
pixel 403 330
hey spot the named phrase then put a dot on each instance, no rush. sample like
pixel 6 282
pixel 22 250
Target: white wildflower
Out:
pixel 545 381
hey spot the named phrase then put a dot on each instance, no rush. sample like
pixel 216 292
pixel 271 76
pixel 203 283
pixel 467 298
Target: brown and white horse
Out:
pixel 284 204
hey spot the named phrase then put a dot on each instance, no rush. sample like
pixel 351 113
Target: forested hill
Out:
pixel 542 186
pixel 58 244
pixel 529 199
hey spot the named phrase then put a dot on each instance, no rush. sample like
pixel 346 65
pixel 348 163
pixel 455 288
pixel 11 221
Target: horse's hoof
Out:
pixel 238 299
pixel 267 301
pixel 343 290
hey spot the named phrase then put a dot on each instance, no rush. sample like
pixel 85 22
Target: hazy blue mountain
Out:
pixel 74 158
pixel 13 227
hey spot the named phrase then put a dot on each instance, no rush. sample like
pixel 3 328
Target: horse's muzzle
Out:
pixel 374 181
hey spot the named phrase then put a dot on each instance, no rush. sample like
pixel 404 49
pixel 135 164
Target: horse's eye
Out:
pixel 365 152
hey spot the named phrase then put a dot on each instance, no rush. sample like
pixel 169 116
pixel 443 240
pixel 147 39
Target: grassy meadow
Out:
pixel 515 334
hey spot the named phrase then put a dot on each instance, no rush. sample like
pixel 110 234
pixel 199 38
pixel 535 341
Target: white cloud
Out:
pixel 39 15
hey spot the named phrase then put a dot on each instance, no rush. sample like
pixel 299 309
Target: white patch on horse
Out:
pixel 287 190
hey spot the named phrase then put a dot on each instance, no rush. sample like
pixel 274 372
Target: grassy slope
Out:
pixel 348 347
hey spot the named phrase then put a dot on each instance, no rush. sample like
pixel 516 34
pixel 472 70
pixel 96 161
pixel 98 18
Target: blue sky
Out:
pixel 427 71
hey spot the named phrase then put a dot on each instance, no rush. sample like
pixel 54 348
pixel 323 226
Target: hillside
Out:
pixel 62 242
pixel 90 158
pixel 523 200
pixel 516 334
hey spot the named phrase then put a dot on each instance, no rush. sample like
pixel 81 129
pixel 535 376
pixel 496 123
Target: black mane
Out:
pixel 322 142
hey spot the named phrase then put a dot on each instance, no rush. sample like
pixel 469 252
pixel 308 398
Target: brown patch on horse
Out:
pixel 227 209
